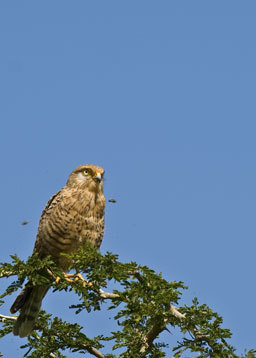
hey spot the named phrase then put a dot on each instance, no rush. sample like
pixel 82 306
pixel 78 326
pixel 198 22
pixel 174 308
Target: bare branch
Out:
pixel 93 351
pixel 176 313
pixel 6 318
pixel 7 274
pixel 108 295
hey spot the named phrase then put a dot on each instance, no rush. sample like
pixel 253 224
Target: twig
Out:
pixel 50 273
pixel 7 274
pixel 136 273
pixel 51 355
pixel 6 318
pixel 93 351
pixel 108 295
pixel 175 311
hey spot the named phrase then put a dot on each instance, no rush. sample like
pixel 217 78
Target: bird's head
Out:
pixel 87 176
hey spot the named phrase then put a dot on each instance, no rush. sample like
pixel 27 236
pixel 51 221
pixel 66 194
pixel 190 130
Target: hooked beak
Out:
pixel 98 177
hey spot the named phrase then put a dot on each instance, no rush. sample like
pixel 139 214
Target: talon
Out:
pixel 74 277
pixel 78 276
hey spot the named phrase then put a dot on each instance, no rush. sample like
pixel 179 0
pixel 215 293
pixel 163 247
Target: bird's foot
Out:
pixel 74 277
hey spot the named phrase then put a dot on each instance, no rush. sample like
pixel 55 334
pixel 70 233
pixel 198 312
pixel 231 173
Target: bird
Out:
pixel 72 218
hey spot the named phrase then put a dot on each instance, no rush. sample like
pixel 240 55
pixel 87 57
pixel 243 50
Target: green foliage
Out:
pixel 144 304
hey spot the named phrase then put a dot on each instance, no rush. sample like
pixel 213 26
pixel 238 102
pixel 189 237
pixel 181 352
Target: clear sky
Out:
pixel 162 95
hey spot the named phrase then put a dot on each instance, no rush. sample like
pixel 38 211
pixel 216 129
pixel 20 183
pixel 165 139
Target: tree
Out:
pixel 147 305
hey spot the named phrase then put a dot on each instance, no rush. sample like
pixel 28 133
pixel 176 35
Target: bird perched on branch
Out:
pixel 72 217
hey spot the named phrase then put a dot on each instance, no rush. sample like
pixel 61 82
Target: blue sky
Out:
pixel 160 94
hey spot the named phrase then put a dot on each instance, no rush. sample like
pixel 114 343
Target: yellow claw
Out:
pixel 73 277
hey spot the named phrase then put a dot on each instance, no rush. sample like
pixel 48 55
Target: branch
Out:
pixel 148 339
pixel 6 318
pixel 108 295
pixel 158 326
pixel 93 351
pixel 51 355
pixel 7 274
pixel 175 311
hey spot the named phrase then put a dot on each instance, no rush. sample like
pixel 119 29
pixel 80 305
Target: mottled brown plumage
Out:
pixel 72 217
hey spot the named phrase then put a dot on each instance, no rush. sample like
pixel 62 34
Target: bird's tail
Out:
pixel 29 302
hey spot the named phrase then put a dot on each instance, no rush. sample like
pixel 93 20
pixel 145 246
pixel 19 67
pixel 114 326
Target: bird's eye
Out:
pixel 86 172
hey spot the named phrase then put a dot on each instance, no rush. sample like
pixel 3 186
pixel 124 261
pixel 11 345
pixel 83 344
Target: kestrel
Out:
pixel 72 217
